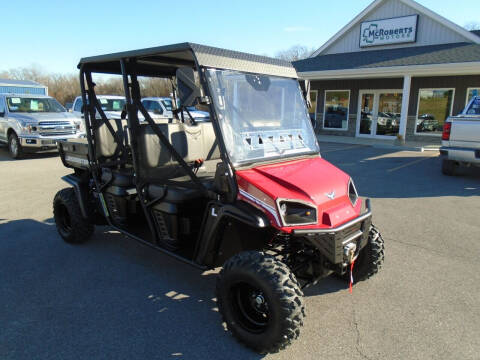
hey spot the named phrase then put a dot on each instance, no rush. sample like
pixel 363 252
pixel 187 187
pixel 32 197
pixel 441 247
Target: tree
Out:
pixel 472 25
pixel 65 87
pixel 296 52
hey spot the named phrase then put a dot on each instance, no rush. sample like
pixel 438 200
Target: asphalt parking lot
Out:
pixel 113 298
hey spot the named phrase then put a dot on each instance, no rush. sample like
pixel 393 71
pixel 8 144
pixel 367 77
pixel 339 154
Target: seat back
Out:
pixel 105 142
pixel 192 142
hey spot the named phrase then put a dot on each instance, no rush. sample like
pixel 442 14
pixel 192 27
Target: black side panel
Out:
pixel 220 217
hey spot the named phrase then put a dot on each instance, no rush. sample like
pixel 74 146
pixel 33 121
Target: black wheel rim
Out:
pixel 250 306
pixel 63 219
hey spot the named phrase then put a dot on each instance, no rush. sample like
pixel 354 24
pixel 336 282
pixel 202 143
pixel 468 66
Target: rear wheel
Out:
pixel 14 147
pixel 260 301
pixel 71 225
pixel 449 167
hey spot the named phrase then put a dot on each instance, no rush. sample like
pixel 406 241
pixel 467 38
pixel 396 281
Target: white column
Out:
pixel 407 80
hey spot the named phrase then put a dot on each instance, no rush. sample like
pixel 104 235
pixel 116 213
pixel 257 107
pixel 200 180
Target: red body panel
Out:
pixel 308 180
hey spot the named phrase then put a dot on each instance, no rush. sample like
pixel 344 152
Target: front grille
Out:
pixel 348 231
pixel 331 245
pixel 56 128
pixel 54 123
pixel 57 133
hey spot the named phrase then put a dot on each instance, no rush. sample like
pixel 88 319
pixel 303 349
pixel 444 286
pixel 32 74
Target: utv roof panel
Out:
pixel 164 60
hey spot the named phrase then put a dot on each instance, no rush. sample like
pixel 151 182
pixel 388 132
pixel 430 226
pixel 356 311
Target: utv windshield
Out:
pixel 33 105
pixel 261 117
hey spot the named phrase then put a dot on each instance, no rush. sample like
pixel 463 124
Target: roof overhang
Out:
pixel 163 61
pixel 449 69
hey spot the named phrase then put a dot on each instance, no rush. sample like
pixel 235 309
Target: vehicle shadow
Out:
pixel 5 156
pixel 108 298
pixel 327 285
pixel 387 173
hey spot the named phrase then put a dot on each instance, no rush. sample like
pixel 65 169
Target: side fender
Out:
pixel 216 217
pixel 80 192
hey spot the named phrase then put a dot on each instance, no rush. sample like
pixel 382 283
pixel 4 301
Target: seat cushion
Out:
pixel 191 142
pixel 105 141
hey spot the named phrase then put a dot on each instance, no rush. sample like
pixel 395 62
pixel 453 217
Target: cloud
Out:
pixel 296 28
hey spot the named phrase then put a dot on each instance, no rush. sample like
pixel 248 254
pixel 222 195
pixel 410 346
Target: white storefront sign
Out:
pixel 389 31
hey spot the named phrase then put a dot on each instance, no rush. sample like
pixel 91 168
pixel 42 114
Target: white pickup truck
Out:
pixel 461 138
pixel 35 122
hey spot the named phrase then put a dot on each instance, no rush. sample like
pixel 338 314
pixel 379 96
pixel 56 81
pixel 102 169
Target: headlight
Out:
pixel 79 125
pixel 352 192
pixel 295 212
pixel 29 128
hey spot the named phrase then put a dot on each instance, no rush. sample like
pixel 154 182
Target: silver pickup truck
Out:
pixel 461 138
pixel 35 122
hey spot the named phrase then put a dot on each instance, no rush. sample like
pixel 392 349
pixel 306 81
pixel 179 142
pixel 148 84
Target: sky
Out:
pixel 53 35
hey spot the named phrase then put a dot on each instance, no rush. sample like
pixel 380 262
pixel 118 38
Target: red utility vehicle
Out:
pixel 248 189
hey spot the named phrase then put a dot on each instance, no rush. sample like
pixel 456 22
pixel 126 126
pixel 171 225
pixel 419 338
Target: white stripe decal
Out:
pixel 267 207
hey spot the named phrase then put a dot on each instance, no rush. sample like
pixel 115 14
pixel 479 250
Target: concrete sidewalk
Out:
pixel 379 143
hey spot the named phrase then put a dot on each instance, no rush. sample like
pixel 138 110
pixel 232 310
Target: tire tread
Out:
pixel 82 229
pixel 285 286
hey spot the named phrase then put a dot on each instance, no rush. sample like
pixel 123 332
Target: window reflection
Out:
pixel 434 106
pixel 336 110
pixel 389 110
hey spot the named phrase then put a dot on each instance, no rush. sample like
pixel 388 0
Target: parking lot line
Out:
pixel 344 148
pixel 410 163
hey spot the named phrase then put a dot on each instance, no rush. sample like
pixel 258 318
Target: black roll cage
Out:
pixel 133 106
pixel 147 62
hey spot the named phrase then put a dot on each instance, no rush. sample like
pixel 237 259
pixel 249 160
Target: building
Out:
pixel 22 87
pixel 396 70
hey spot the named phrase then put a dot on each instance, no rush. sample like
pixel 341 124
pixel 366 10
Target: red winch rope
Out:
pixel 351 276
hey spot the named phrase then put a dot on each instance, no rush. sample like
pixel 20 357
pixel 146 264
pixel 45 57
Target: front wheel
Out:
pixel 371 257
pixel 71 225
pixel 260 300
pixel 14 147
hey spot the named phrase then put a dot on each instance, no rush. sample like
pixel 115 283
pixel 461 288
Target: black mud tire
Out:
pixel 71 225
pixel 371 257
pixel 277 286
pixel 449 167
pixel 14 147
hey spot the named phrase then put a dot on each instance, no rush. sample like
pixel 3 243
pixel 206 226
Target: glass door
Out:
pixel 379 113
pixel 388 113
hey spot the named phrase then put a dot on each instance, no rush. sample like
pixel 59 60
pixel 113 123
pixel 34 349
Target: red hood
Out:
pixel 309 180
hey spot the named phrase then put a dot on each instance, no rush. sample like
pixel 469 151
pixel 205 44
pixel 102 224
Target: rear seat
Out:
pixel 106 145
pixel 157 164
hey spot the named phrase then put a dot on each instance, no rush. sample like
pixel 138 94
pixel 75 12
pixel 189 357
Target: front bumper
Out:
pixel 461 154
pixel 332 241
pixel 42 142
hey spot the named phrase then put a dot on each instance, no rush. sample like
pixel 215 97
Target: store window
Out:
pixel 434 106
pixel 335 112
pixel 471 92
